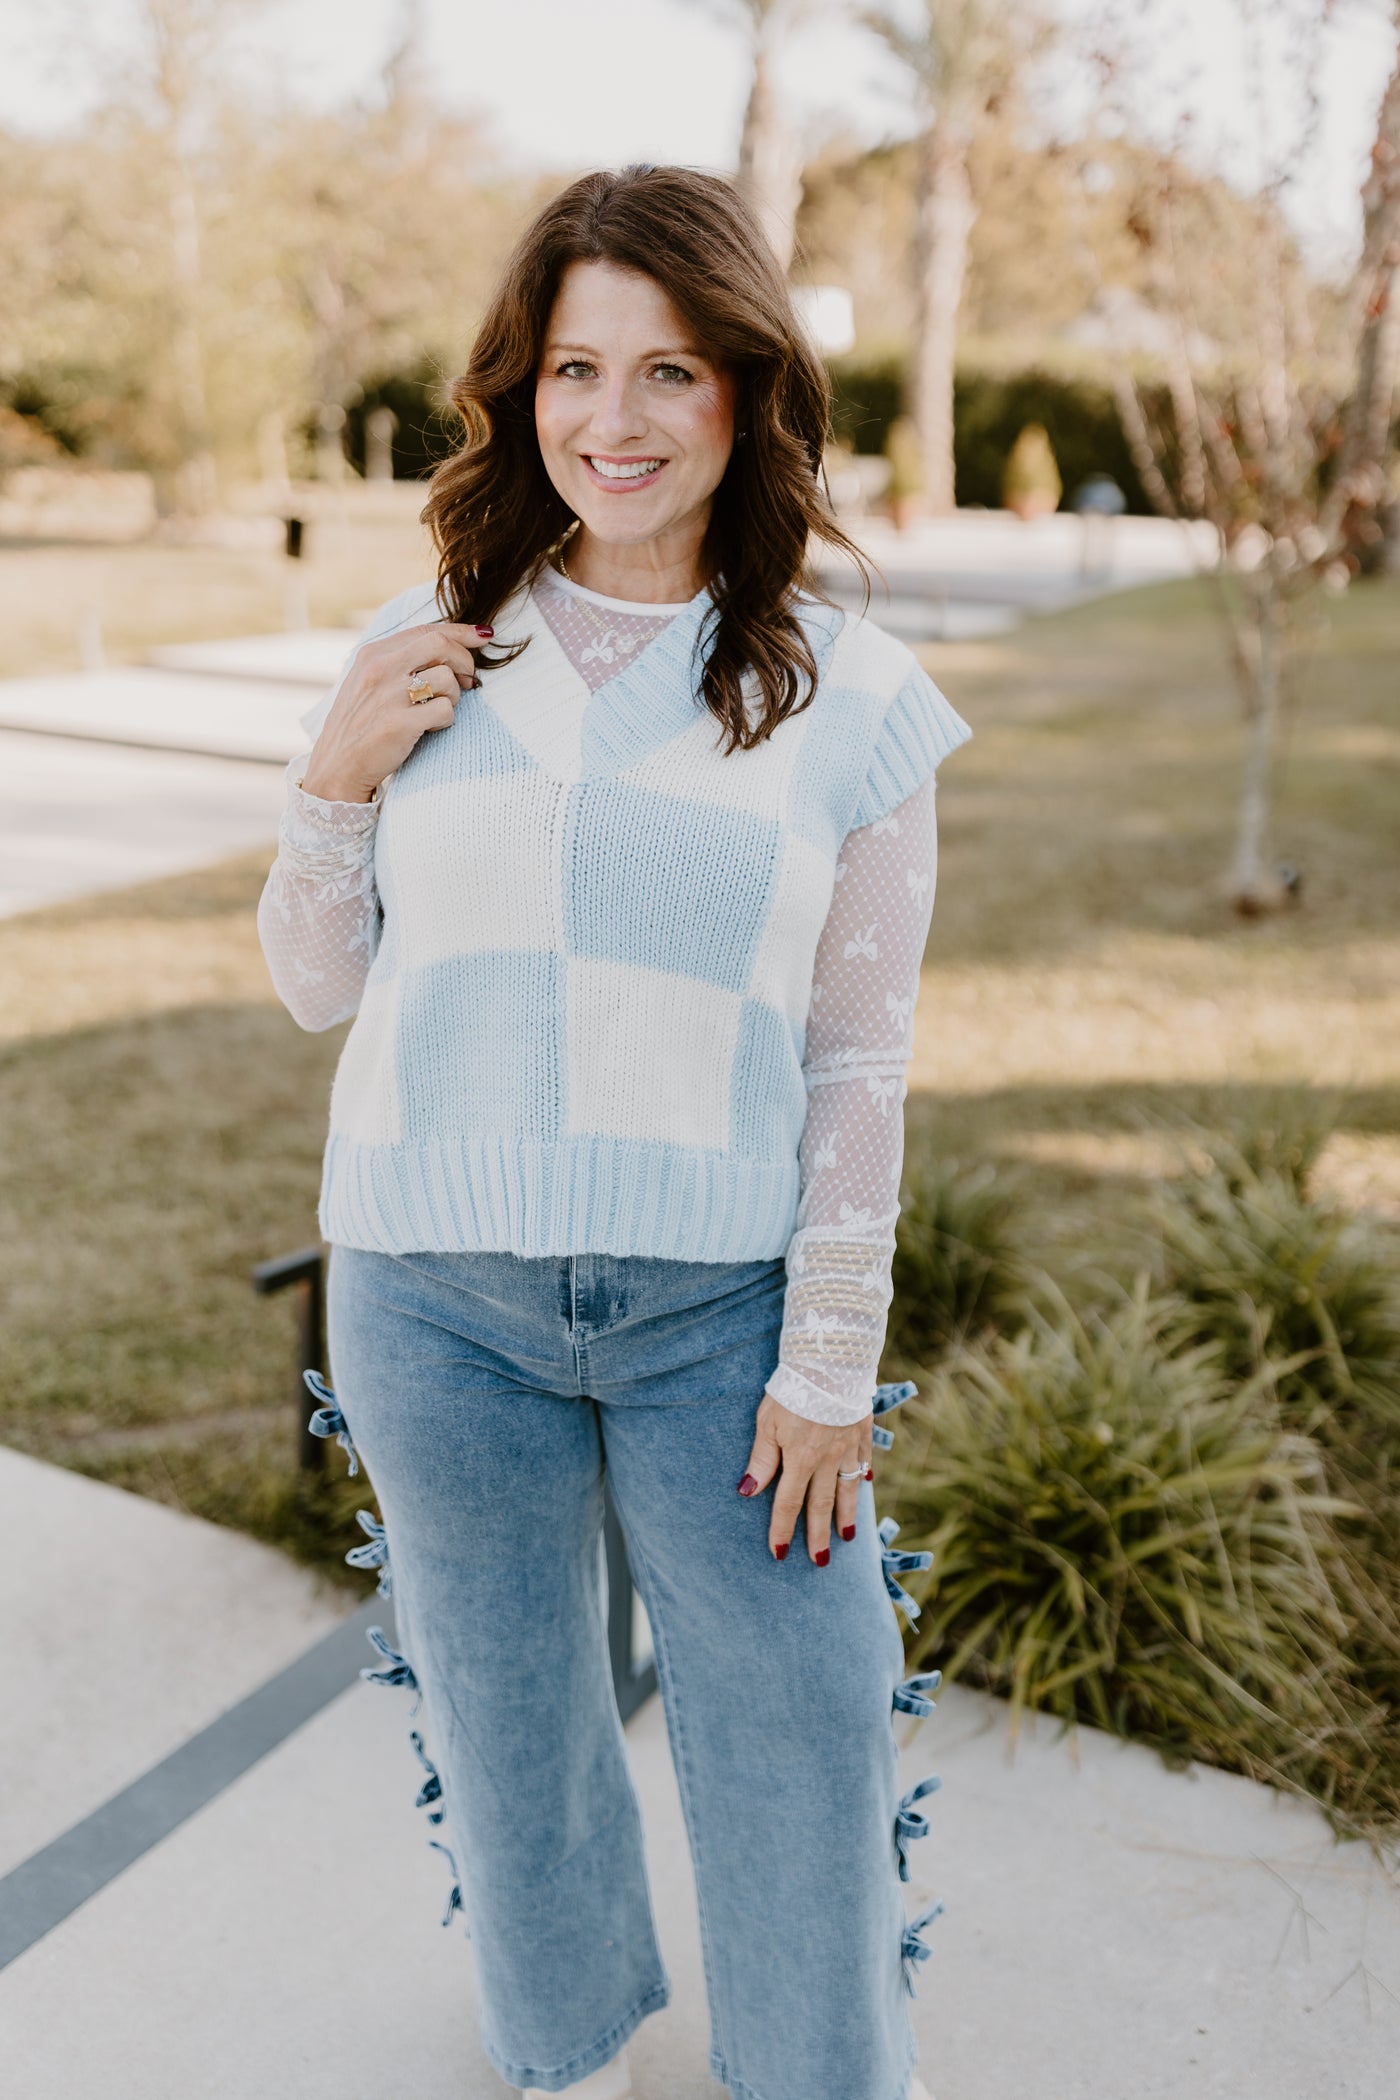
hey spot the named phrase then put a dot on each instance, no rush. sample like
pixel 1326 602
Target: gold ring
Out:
pixel 420 690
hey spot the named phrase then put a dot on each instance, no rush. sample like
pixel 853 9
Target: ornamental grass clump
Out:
pixel 956 1270
pixel 1280 1279
pixel 1125 1533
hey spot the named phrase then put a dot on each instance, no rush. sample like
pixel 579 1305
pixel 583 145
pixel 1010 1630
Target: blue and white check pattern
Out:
pixel 584 1022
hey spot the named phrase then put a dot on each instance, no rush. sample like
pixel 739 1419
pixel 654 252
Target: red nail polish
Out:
pixel 848 1531
pixel 486 632
pixel 870 1472
pixel 748 1485
pixel 823 1557
pixel 780 1551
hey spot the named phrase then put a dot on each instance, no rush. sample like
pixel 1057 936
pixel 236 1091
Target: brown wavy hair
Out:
pixel 493 510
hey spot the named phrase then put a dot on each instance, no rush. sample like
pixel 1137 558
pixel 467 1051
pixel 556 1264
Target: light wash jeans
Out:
pixel 484 1392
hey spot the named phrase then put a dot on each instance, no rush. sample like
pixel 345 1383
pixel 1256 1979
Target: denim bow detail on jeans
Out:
pixel 912 1948
pixel 887 1397
pixel 911 1697
pixel 396 1671
pixel 430 1793
pixel 375 1554
pixel 909 1825
pixel 454 1900
pixel 900 1564
pixel 328 1420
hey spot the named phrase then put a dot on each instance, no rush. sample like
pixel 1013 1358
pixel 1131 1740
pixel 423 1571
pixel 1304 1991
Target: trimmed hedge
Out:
pixel 428 429
pixel 989 414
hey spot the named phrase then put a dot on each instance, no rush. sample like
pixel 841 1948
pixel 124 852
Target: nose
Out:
pixel 619 417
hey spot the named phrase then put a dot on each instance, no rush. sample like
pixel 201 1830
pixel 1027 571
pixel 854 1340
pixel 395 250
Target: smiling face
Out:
pixel 635 421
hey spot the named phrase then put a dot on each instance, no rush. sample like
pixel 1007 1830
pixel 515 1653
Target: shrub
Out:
pixel 1123 1533
pixel 1078 415
pixel 1278 1278
pixel 867 396
pixel 1030 480
pixel 956 1271
pixel 905 455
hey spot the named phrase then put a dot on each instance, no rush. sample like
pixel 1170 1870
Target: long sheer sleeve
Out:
pixel 859 1039
pixel 318 916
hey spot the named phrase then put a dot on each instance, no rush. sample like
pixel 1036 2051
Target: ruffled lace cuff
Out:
pixel 327 844
pixel 839 1409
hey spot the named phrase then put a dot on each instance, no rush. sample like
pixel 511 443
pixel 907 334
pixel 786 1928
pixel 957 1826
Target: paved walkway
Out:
pixel 81 817
pixel 117 777
pixel 1114 1931
pixel 974 574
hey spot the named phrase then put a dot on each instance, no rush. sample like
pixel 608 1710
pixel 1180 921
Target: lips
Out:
pixel 620 476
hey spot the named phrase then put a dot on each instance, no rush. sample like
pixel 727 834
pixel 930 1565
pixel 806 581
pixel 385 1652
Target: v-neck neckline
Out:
pixel 645 705
pixel 684 616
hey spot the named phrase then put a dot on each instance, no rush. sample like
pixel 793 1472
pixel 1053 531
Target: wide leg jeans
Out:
pixel 485 1393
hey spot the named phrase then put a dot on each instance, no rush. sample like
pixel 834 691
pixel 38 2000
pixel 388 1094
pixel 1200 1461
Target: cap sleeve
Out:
pixel 919 729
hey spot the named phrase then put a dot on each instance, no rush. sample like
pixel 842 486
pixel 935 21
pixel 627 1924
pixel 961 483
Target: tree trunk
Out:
pixel 197 481
pixel 945 218
pixel 770 162
pixel 1254 887
pixel 1359 483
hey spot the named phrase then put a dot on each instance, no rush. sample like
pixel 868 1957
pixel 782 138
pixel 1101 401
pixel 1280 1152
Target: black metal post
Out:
pixel 306 1271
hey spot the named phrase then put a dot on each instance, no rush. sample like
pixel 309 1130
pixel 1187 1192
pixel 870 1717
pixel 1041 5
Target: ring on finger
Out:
pixel 420 687
pixel 857 1473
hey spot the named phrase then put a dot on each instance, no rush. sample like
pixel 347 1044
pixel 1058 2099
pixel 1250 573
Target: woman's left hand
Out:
pixel 809 1454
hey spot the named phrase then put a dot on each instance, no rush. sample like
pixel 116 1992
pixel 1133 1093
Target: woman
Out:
pixel 625 869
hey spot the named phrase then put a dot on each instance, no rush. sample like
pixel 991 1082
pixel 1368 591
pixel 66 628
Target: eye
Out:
pixel 673 375
pixel 573 368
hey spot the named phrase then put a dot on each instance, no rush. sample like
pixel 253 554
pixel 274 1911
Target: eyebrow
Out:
pixel 583 350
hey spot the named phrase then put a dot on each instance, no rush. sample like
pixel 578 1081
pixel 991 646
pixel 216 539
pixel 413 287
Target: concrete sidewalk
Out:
pixel 201 712
pixel 82 817
pixel 1113 1930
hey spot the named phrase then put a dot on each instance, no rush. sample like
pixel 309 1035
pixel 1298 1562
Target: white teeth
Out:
pixel 629 470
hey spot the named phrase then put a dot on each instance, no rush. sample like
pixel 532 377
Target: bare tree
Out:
pixel 1360 488
pixel 963 56
pixel 770 149
pixel 184 40
pixel 1284 450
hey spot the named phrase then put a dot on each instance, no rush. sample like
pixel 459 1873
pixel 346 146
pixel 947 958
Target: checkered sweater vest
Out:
pixel 584 1021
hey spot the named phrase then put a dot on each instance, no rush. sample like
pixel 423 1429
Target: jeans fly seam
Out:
pixel 576 1338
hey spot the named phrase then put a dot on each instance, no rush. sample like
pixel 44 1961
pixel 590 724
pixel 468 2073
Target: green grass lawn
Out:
pixel 1085 989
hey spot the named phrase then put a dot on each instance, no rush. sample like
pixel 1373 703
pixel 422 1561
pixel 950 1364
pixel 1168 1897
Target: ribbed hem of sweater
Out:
pixel 581 1195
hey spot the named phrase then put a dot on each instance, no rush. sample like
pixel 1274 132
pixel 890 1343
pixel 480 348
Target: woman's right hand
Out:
pixel 373 725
